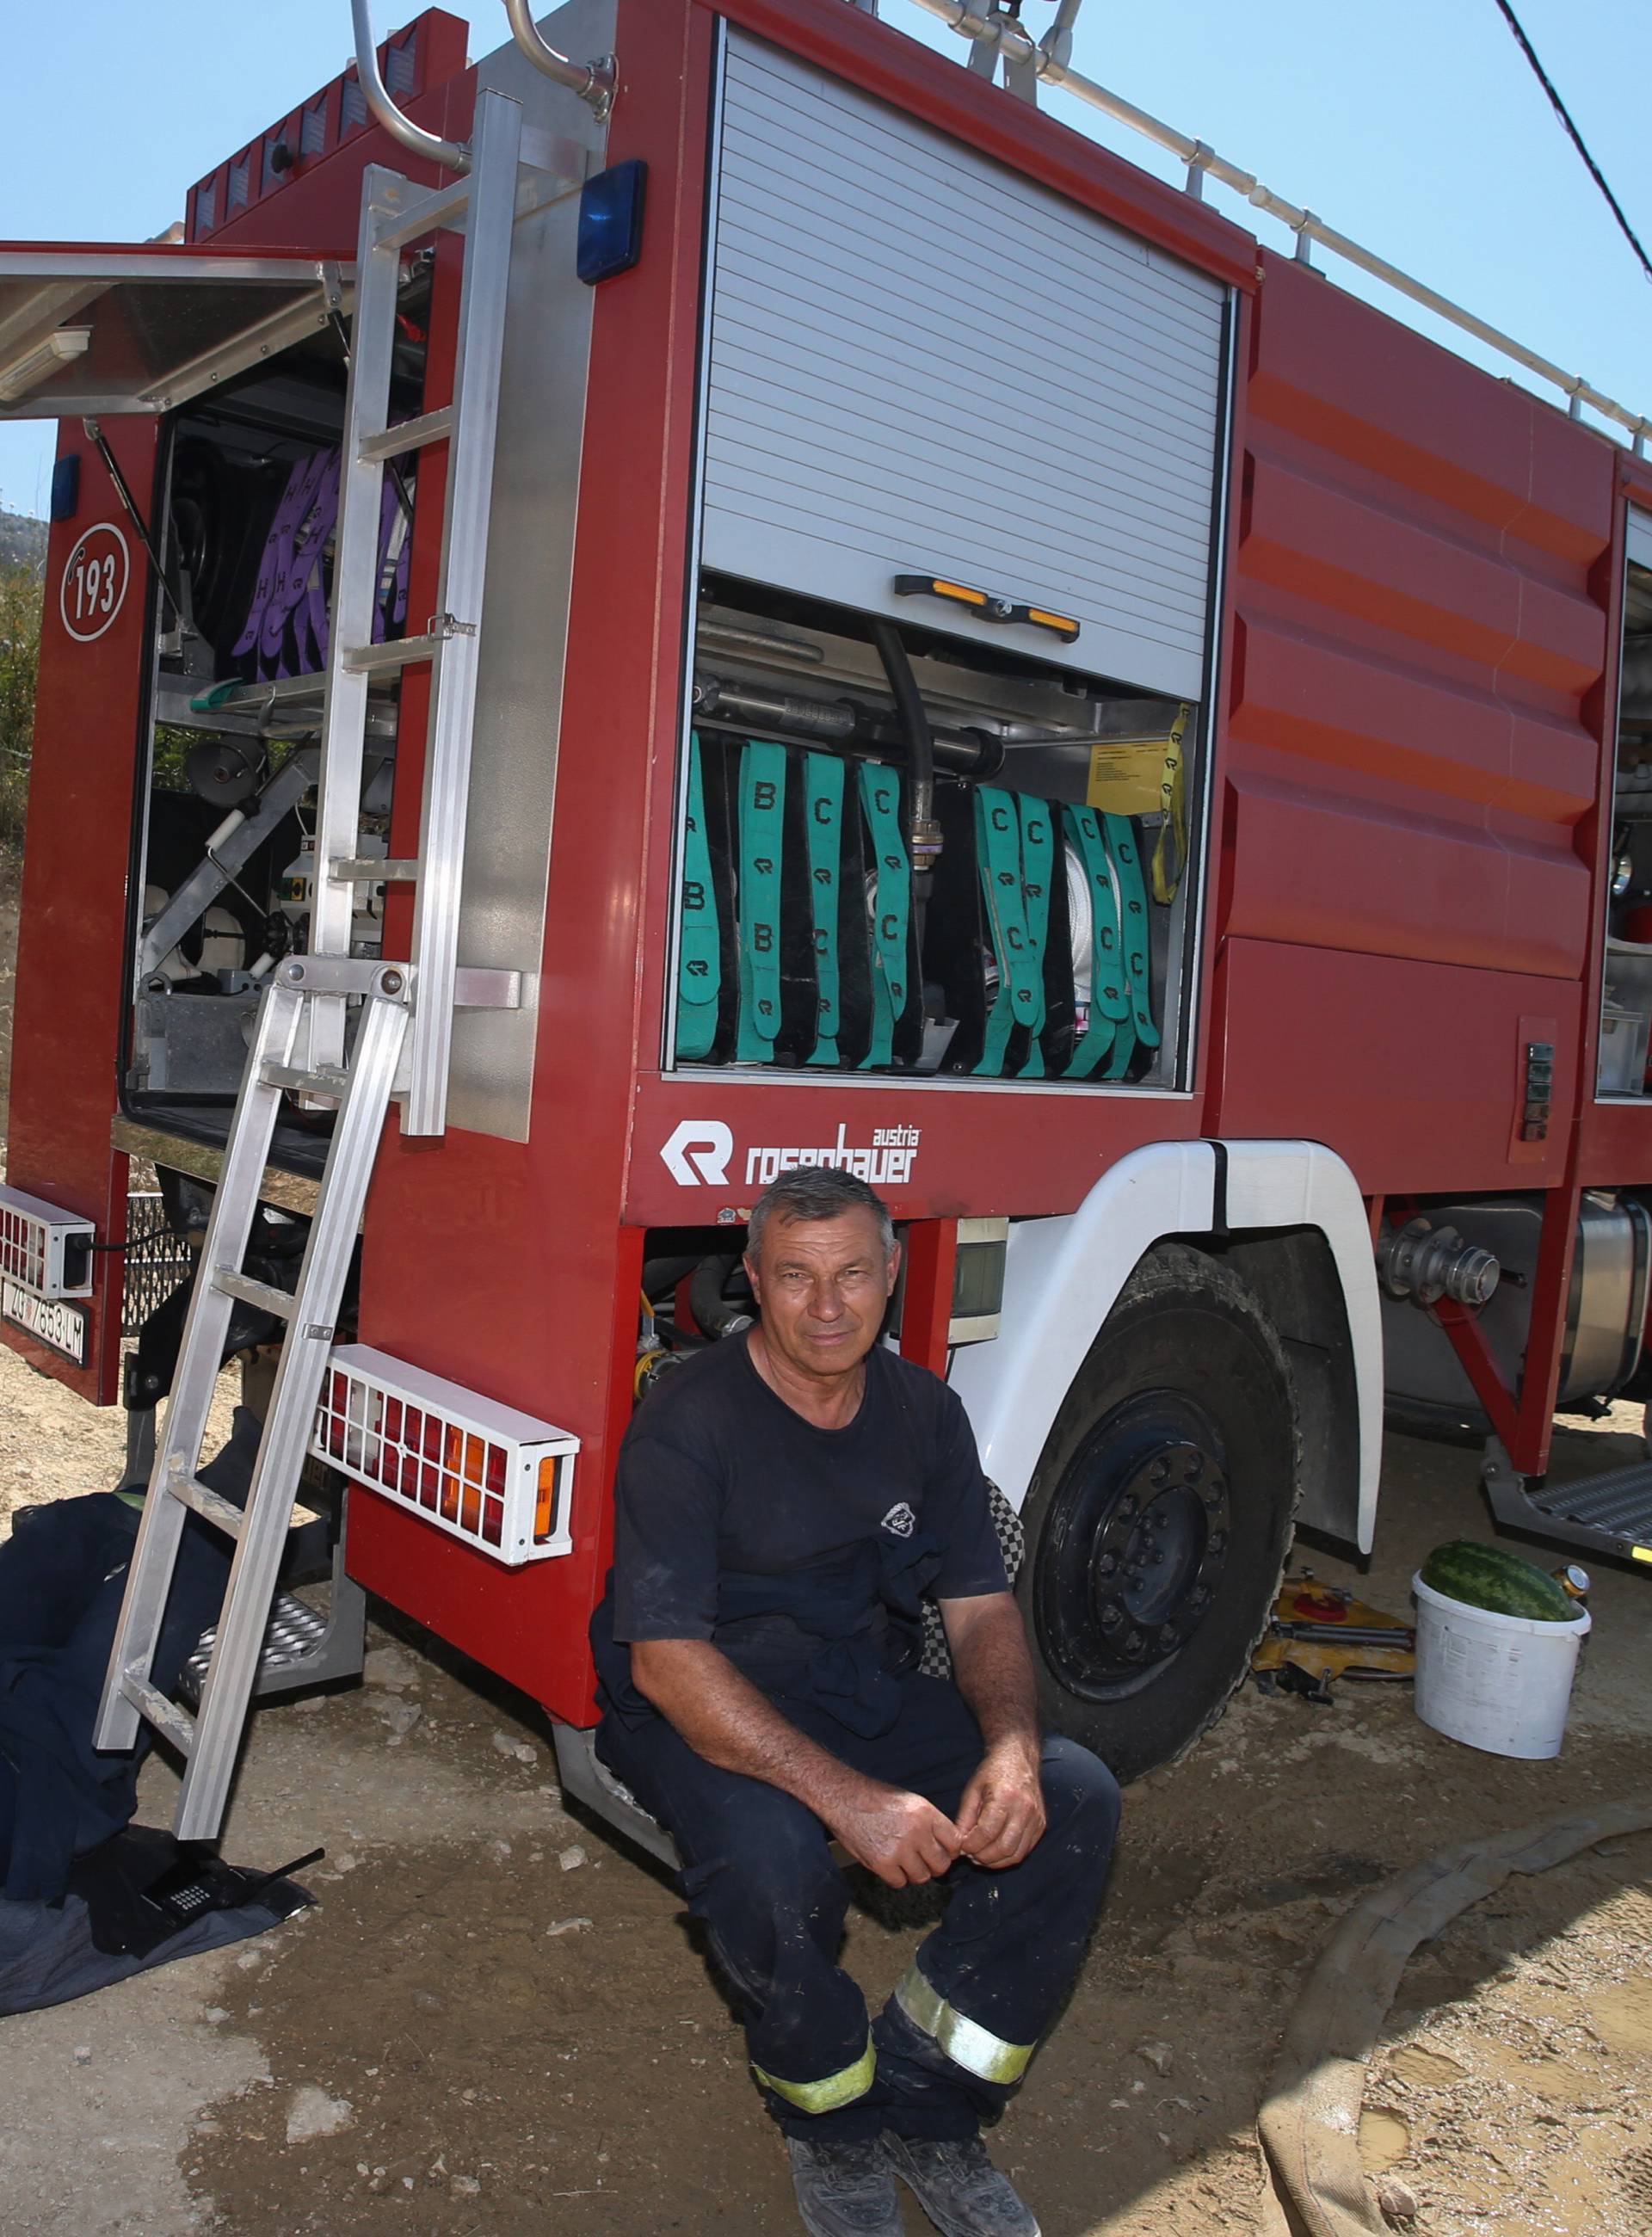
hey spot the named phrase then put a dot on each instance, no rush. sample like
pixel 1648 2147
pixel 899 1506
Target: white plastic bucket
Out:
pixel 1502 1683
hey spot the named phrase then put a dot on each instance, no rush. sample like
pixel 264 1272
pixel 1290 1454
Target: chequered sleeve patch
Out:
pixel 935 1661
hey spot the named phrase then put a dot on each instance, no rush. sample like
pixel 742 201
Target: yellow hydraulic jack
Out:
pixel 1320 1633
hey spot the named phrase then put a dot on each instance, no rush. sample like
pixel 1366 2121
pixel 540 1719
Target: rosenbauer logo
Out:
pixel 699 1151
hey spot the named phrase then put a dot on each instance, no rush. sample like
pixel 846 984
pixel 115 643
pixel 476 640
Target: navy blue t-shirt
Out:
pixel 718 1476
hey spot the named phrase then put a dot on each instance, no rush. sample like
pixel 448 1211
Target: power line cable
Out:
pixel 1576 137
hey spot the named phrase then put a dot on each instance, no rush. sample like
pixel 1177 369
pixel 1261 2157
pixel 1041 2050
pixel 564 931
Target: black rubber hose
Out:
pixel 914 717
pixel 712 1311
pixel 661 1276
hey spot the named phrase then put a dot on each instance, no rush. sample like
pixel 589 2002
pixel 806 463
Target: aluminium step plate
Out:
pixel 296 1630
pixel 1618 1502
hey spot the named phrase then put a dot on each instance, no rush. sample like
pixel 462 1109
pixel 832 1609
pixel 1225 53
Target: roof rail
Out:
pixel 395 121
pixel 981 21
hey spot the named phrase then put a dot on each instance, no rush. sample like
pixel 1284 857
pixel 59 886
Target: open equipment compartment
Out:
pixel 224 847
pixel 943 787
pixel 1625 1004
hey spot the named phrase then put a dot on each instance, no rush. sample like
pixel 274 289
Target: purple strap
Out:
pixel 389 513
pixel 399 588
pixel 283 594
pixel 291 586
pixel 311 604
pixel 279 540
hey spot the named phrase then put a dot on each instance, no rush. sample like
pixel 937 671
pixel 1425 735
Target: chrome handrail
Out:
pixel 399 125
pixel 595 82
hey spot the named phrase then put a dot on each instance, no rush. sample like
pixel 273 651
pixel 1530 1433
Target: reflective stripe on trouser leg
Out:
pixel 833 2090
pixel 965 2041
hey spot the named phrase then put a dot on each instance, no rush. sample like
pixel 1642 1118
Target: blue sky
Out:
pixel 1416 128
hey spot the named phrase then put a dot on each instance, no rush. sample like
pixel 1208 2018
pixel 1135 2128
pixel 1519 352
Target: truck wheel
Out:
pixel 1160 1518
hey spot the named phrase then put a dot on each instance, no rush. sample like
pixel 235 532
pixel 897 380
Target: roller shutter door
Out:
pixel 921 362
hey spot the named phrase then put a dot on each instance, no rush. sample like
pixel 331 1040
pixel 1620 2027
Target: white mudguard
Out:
pixel 1064 1275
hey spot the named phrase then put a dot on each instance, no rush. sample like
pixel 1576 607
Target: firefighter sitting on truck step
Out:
pixel 785 1502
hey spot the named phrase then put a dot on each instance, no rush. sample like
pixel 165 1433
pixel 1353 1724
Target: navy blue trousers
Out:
pixel 758 1870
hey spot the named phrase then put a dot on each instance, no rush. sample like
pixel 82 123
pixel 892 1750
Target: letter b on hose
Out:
pixel 698 1151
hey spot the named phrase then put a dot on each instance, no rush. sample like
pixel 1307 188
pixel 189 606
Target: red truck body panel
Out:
pixel 1415 747
pixel 1416 678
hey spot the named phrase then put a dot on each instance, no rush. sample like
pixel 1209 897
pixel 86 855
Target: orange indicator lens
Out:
pixel 544 1505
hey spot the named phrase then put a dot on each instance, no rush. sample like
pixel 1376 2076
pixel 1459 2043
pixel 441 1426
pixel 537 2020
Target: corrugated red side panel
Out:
pixel 1419 619
pixel 259 194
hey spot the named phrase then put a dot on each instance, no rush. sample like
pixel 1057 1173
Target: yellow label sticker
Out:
pixel 1127 776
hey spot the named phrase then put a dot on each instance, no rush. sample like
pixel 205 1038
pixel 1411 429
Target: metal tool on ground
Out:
pixel 1320 1633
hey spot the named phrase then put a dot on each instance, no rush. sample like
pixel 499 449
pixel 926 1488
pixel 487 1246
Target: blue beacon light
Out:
pixel 611 221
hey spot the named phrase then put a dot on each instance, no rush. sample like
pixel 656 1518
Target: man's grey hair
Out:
pixel 811 1193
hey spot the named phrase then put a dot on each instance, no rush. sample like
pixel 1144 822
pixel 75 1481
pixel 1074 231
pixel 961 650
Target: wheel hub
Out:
pixel 1138 1545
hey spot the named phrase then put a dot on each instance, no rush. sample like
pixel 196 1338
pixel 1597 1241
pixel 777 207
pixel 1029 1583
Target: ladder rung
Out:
pixel 409 435
pixel 332 1084
pixel 154 1707
pixel 365 870
pixel 398 652
pixel 440 206
pixel 261 1294
pixel 210 1505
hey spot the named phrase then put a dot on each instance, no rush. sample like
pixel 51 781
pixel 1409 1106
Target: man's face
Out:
pixel 822 1285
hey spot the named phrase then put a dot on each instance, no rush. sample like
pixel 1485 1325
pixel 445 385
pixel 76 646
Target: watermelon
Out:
pixel 1491 1577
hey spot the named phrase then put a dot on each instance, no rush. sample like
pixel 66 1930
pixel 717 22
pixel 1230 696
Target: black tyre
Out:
pixel 1160 1518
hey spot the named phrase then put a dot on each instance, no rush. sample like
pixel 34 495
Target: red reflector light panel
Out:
pixel 500 1480
pixel 46 1248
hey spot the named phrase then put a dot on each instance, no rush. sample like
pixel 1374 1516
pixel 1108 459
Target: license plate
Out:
pixel 48 1319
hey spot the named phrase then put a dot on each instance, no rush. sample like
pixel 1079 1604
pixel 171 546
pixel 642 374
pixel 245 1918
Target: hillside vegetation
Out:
pixel 23 541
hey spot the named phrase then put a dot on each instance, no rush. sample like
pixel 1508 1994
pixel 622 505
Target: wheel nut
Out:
pixel 1135 1646
pixel 1107 1564
pixel 1112 1616
pixel 1219 1541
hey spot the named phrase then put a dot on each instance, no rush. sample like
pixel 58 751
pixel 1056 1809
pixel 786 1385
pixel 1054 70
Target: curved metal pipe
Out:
pixel 412 136
pixel 593 82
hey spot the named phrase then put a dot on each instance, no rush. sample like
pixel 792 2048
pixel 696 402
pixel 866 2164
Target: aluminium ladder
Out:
pixel 402 1043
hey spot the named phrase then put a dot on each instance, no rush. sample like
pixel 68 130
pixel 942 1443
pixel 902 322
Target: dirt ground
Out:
pixel 494 2020
pixel 500 2017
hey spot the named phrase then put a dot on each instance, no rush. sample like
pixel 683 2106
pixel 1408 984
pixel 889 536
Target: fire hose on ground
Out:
pixel 1310 2121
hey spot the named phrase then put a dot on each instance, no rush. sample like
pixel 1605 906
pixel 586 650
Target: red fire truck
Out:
pixel 714 592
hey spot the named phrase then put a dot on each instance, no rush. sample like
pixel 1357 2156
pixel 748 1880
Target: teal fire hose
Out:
pixel 881 799
pixel 762 809
pixel 823 792
pixel 699 969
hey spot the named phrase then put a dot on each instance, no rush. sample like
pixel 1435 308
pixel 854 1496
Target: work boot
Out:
pixel 844 2189
pixel 958 2187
